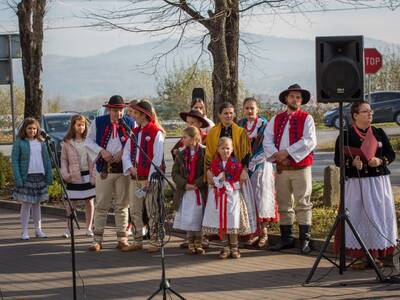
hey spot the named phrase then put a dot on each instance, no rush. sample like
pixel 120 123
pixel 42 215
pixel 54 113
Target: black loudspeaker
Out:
pixel 340 68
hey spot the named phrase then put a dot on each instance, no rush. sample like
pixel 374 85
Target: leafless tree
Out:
pixel 218 21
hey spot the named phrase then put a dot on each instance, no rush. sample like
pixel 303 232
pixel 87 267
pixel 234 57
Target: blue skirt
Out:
pixel 34 189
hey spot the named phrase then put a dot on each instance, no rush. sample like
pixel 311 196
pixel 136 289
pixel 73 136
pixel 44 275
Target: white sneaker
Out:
pixel 89 232
pixel 25 236
pixel 66 234
pixel 40 233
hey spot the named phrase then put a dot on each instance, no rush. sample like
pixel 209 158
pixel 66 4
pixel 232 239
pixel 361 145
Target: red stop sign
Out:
pixel 372 60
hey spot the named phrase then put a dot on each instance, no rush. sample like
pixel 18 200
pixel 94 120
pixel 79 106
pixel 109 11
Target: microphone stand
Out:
pixel 72 212
pixel 156 179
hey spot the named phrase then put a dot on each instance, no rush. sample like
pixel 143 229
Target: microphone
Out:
pixel 44 135
pixel 122 123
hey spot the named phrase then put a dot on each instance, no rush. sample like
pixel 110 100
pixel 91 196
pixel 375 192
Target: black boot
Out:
pixel 304 236
pixel 286 241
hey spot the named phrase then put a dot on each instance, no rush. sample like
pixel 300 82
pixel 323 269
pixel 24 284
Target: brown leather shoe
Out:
pixel 153 249
pixel 123 246
pixel 95 247
pixel 190 251
pixel 236 254
pixel 200 251
pixel 198 248
pixel 263 242
pixel 135 247
pixel 224 254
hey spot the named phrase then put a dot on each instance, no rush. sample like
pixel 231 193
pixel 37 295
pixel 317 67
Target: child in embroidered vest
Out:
pixel 77 169
pixel 32 173
pixel 149 135
pixel 187 173
pixel 226 211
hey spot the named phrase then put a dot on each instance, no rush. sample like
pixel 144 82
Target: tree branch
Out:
pixel 258 3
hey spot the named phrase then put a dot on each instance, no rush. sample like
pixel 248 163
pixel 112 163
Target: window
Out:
pixel 58 124
pixel 387 96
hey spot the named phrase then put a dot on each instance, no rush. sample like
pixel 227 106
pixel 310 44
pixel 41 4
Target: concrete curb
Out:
pixel 55 211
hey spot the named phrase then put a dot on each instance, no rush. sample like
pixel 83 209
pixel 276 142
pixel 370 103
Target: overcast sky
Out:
pixel 382 24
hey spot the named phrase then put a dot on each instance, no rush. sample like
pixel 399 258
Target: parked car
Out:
pixel 385 104
pixel 56 126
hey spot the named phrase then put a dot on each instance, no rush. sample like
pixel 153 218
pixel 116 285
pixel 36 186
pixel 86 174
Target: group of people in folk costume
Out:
pixel 226 185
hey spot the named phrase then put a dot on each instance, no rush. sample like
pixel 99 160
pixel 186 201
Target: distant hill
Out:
pixel 277 63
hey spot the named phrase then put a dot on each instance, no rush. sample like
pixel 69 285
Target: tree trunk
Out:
pixel 224 48
pixel 30 18
pixel 232 46
pixel 217 47
pixel 24 12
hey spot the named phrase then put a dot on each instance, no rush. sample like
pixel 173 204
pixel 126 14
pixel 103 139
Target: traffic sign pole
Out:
pixel 11 88
pixel 369 88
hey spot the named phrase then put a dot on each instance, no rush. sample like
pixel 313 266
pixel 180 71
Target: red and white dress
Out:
pixel 226 211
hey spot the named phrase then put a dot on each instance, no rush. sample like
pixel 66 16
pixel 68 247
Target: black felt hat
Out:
pixel 305 95
pixel 195 114
pixel 115 101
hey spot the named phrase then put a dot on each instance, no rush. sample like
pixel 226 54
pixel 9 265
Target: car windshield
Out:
pixel 58 123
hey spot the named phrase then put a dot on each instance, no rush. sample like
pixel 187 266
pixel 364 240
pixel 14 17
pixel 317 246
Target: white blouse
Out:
pixel 81 149
pixel 35 158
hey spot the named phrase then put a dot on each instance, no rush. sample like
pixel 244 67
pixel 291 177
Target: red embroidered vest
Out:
pixel 148 135
pixel 296 127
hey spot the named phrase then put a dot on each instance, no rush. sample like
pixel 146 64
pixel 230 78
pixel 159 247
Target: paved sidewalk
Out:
pixel 41 269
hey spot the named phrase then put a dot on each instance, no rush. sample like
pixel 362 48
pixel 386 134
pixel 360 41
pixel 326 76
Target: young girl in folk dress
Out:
pixel 260 172
pixel 32 174
pixel 187 173
pixel 192 118
pixel 226 212
pixel 199 104
pixel 77 169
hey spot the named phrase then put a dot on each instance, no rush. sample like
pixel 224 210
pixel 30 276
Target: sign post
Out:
pixel 9 48
pixel 373 63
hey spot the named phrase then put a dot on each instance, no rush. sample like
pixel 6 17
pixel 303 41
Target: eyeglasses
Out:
pixel 366 111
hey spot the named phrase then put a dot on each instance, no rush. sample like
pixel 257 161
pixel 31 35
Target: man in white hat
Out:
pixel 289 140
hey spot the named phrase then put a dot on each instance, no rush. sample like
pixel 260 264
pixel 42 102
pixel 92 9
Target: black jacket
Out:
pixel 385 152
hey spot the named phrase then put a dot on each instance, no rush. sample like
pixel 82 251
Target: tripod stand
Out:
pixel 342 219
pixel 165 286
pixel 156 183
pixel 71 214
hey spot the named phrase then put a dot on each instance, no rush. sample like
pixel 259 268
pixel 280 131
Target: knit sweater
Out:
pixel 20 156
